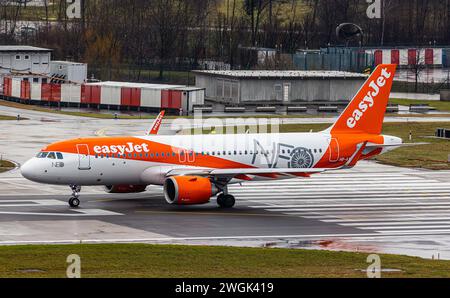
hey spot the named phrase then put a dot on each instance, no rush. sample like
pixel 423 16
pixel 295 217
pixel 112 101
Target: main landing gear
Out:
pixel 225 200
pixel 74 202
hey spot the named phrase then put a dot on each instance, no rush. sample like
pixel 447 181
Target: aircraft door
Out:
pixel 334 150
pixel 84 159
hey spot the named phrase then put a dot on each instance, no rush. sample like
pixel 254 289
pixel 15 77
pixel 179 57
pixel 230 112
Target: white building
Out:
pixel 24 59
pixel 67 71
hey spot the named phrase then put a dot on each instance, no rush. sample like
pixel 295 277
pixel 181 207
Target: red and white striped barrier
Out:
pixel 408 57
pixel 120 94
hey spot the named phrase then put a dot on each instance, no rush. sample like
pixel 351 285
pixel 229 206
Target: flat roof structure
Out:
pixel 20 48
pixel 280 74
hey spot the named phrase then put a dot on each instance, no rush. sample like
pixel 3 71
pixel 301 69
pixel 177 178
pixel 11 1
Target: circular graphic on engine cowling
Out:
pixel 301 158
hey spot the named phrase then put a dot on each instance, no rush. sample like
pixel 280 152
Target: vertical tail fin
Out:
pixel 365 112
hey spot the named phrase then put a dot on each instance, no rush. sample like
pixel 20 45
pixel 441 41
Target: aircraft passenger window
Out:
pixel 51 155
pixel 246 152
pixel 156 154
pixel 315 150
pixel 240 152
pixel 213 153
pixel 218 153
pixel 283 151
pixel 59 155
pixel 129 155
pixel 320 150
pixel 224 153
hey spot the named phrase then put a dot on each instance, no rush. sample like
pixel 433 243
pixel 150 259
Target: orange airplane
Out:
pixel 194 168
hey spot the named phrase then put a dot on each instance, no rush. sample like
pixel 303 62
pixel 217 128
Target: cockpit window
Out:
pixel 59 155
pixel 42 155
pixel 51 155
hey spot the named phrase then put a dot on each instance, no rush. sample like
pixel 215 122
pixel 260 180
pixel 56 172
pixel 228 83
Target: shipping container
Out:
pixel 403 57
pixel 171 99
pixel 51 92
pixel 412 57
pixel 7 86
pixel 110 95
pixel 36 93
pixel 70 93
pixel 191 96
pixel 378 57
pixel 130 97
pixel 387 57
pixel 429 57
pixel 25 92
pixel 55 92
pixel 16 85
pixel 151 98
pixel 395 57
pixel 90 94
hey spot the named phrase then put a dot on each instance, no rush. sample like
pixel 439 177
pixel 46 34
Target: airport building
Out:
pixel 241 87
pixel 24 59
pixel 176 99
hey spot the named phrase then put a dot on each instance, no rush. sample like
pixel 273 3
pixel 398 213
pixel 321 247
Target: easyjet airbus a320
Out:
pixel 195 168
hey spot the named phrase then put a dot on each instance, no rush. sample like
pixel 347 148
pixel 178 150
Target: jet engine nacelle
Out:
pixel 125 188
pixel 188 190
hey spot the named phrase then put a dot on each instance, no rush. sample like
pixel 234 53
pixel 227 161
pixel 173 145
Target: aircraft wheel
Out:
pixel 225 201
pixel 74 202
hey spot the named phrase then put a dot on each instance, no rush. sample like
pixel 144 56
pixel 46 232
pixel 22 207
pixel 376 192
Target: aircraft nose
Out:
pixel 27 170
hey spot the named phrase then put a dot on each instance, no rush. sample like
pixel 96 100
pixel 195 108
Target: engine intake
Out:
pixel 188 190
pixel 125 188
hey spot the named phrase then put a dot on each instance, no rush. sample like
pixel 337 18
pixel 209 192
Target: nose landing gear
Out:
pixel 74 202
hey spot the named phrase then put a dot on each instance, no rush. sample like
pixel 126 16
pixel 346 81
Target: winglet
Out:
pixel 156 124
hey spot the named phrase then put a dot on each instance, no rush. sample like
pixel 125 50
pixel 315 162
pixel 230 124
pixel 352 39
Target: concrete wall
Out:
pixel 273 90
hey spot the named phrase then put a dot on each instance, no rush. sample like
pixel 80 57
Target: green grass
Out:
pixel 142 260
pixel 3 117
pixel 6 166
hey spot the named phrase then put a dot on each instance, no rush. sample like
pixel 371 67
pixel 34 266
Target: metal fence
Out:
pixel 344 59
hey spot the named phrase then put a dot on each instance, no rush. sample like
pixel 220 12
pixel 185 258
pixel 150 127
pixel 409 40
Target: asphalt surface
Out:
pixel 372 208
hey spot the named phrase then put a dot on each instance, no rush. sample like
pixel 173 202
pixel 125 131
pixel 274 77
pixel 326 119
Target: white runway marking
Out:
pixel 400 202
pixel 46 203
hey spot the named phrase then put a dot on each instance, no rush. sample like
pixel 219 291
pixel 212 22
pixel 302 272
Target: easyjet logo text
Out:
pixel 368 101
pixel 122 149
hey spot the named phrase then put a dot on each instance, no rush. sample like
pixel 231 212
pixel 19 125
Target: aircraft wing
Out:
pixel 375 146
pixel 156 124
pixel 241 172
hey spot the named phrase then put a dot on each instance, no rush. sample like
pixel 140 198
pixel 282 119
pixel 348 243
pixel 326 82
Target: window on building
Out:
pixel 27 57
pixel 18 57
pixel 35 80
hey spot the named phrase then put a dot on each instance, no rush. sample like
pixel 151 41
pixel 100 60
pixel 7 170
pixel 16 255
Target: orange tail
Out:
pixel 365 112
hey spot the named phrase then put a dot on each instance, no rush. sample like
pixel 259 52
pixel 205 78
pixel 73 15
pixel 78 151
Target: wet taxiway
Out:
pixel 373 208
